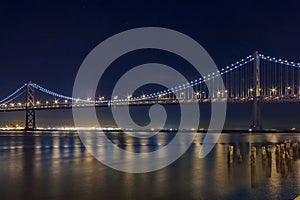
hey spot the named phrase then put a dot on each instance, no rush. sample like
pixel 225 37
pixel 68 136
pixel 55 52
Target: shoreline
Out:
pixel 163 131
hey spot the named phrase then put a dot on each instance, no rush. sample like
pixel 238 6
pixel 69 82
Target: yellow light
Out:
pixel 56 101
pixel 115 97
pixel 288 87
pixel 226 91
pixel 197 93
pixel 47 102
pixel 19 104
pixel 66 101
pixel 38 102
pixel 12 105
pixel 251 89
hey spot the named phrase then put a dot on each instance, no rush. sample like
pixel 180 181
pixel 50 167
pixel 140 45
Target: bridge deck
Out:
pixel 265 99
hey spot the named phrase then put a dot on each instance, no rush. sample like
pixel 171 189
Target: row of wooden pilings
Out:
pixel 284 151
pixel 284 154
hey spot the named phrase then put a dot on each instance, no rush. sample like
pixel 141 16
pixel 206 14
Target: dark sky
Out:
pixel 46 41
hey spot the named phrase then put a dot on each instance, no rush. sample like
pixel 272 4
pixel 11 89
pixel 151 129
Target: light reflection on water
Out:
pixel 57 166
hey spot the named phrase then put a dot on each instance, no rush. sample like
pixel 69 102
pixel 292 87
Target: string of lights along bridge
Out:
pixel 256 78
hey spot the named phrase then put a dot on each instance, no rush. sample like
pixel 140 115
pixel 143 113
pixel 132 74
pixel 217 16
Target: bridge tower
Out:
pixel 256 125
pixel 30 112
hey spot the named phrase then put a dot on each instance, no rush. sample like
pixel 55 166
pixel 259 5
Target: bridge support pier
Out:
pixel 256 125
pixel 30 112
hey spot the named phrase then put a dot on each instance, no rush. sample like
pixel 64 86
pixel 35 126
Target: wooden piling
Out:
pixel 277 151
pixel 287 143
pixel 239 156
pixel 269 150
pixel 295 146
pixel 253 154
pixel 230 154
pixel 264 153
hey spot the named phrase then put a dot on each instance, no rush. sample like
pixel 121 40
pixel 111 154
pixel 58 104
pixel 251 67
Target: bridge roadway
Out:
pixel 264 99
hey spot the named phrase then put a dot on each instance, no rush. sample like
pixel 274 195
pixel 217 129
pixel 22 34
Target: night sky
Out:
pixel 47 41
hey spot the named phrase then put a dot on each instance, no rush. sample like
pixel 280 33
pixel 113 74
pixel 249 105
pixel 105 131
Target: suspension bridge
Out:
pixel 256 78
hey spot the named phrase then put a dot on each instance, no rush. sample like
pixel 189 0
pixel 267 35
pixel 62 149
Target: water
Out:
pixel 57 166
